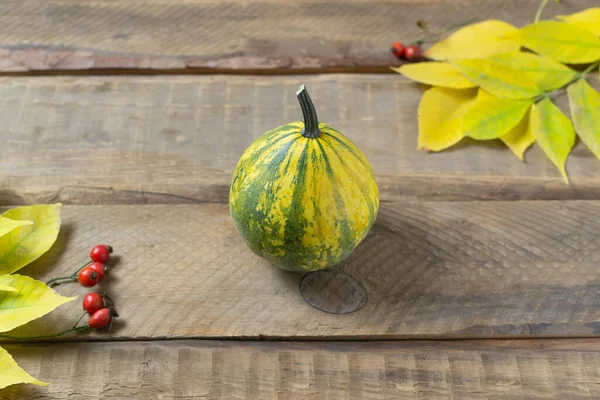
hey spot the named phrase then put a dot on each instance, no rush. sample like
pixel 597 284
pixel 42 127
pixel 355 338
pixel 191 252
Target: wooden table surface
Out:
pixel 482 272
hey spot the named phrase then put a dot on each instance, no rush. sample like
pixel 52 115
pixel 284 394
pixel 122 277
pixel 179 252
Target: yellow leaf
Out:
pixel 584 103
pixel 435 73
pixel 33 300
pixel 441 113
pixel 519 138
pixel 491 117
pixel 554 133
pixel 546 73
pixel 498 79
pixel 6 288
pixel 26 243
pixel 560 41
pixel 11 373
pixel 481 39
pixel 8 225
pixel 587 19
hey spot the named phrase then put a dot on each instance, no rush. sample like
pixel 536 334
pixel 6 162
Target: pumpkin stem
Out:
pixel 311 121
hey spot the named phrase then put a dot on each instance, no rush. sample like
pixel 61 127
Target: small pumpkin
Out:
pixel 303 196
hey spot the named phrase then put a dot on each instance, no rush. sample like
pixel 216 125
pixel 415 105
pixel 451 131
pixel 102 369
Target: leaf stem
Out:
pixel 73 329
pixel 588 70
pixel 577 77
pixel 539 11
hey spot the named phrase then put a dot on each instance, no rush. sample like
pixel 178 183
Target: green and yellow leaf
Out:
pixel 519 138
pixel 584 103
pixel 587 19
pixel 560 41
pixel 6 288
pixel 441 113
pixel 435 73
pixel 11 373
pixel 32 300
pixel 554 133
pixel 546 73
pixel 26 243
pixel 481 39
pixel 7 225
pixel 492 117
pixel 498 79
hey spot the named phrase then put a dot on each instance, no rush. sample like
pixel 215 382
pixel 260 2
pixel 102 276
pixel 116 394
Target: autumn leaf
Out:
pixel 554 133
pixel 546 73
pixel 6 288
pixel 441 113
pixel 498 79
pixel 435 73
pixel 587 19
pixel 28 242
pixel 11 373
pixel 8 225
pixel 584 103
pixel 519 138
pixel 480 40
pixel 33 300
pixel 491 117
pixel 560 41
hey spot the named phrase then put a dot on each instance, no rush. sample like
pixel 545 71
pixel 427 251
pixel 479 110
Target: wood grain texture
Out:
pixel 431 270
pixel 176 34
pixel 110 140
pixel 539 369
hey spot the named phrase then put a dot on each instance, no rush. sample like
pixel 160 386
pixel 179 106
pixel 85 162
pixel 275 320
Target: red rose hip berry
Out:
pixel 101 253
pixel 398 49
pixel 99 268
pixel 413 53
pixel 102 318
pixel 93 302
pixel 88 277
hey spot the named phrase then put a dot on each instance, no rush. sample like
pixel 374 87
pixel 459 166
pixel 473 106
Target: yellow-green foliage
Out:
pixel 491 80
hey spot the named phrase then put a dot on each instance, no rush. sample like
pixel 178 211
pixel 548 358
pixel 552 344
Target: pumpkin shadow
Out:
pixel 333 291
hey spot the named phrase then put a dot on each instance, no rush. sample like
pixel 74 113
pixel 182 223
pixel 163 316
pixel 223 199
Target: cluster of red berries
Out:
pixel 92 271
pixel 100 308
pixel 97 304
pixel 409 53
pixel 92 274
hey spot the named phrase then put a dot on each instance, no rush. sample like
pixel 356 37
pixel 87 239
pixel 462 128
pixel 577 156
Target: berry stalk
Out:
pixel 433 36
pixel 72 329
pixel 60 278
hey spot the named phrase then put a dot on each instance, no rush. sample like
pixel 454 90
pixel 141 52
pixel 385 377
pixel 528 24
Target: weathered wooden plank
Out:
pixel 106 140
pixel 431 270
pixel 531 369
pixel 176 34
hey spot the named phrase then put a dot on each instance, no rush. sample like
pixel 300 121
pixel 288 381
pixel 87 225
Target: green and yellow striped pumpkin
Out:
pixel 303 196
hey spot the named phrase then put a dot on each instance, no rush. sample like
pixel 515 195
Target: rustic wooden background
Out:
pixel 481 271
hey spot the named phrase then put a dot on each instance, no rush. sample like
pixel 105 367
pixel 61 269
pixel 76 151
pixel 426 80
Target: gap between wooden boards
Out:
pixel 204 71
